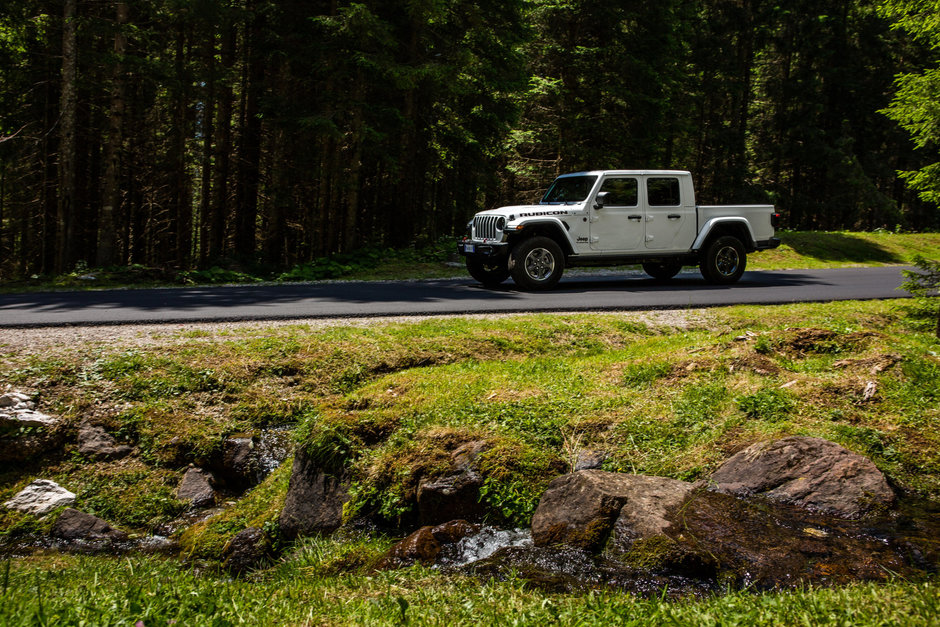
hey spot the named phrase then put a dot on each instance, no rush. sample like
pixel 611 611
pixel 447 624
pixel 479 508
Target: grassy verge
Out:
pixel 668 393
pixel 74 590
pixel 439 260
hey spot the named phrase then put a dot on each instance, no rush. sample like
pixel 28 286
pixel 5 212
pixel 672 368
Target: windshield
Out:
pixel 567 189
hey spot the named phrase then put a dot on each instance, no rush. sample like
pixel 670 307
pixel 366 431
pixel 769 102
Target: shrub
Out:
pixel 925 287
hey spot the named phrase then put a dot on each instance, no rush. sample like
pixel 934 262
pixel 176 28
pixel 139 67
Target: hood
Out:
pixel 516 212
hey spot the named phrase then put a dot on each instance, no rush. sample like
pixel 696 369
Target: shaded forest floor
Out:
pixel 439 260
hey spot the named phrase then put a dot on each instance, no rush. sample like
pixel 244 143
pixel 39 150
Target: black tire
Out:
pixel 662 270
pixel 724 260
pixel 536 263
pixel 489 273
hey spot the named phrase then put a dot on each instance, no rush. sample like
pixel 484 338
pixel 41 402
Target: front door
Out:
pixel 619 225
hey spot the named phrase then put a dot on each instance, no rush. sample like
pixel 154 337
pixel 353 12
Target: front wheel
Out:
pixel 724 261
pixel 662 270
pixel 536 263
pixel 489 273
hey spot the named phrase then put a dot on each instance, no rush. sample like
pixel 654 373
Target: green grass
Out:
pixel 671 394
pixel 75 590
pixel 800 249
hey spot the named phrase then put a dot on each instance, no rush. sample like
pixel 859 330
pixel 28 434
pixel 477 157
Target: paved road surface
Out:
pixel 453 296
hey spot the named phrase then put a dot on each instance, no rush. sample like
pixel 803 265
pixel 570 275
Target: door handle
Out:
pixel 637 218
pixel 673 216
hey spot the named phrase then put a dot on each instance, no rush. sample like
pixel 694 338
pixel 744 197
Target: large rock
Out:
pixel 808 472
pixel 770 545
pixel 315 499
pixel 75 525
pixel 196 487
pixel 581 509
pixel 40 497
pixel 97 443
pixel 455 495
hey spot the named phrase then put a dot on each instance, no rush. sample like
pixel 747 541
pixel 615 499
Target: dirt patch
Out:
pixel 874 365
pixel 824 341
pixel 756 363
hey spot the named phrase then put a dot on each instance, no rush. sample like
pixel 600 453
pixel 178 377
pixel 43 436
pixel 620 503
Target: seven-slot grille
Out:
pixel 485 227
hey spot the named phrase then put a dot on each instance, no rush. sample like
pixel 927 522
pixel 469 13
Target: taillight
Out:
pixel 775 220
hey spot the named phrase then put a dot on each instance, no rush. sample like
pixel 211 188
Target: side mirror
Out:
pixel 601 200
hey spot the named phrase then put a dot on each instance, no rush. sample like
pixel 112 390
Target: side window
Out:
pixel 622 192
pixel 663 192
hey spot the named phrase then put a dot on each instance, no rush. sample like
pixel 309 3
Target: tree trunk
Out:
pixel 67 139
pixel 223 153
pixel 107 231
pixel 249 157
pixel 208 136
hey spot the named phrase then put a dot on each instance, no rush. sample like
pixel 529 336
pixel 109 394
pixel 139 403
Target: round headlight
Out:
pixel 500 223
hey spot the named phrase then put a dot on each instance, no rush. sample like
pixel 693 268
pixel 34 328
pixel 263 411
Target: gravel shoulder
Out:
pixel 58 339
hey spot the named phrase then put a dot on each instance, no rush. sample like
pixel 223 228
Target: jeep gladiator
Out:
pixel 616 217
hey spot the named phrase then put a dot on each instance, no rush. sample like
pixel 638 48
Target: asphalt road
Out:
pixel 453 296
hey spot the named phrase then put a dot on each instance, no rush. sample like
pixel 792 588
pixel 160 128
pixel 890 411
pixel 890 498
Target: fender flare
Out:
pixel 551 227
pixel 716 224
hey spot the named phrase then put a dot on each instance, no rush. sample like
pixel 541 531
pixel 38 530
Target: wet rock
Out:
pixel 245 551
pixel 246 459
pixel 75 525
pixel 240 467
pixel 420 546
pixel 40 497
pixel 769 545
pixel 196 487
pixel 427 543
pixel 808 472
pixel 315 499
pixel 454 531
pixel 97 443
pixel 455 495
pixel 581 509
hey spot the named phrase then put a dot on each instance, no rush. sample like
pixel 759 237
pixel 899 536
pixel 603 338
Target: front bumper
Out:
pixel 484 250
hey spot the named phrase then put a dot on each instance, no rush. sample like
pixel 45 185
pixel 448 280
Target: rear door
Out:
pixel 669 218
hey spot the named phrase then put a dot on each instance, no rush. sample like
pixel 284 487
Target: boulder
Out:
pixel 95 442
pixel 581 509
pixel 244 551
pixel 769 545
pixel 40 497
pixel 196 487
pixel 75 525
pixel 808 472
pixel 457 494
pixel 315 499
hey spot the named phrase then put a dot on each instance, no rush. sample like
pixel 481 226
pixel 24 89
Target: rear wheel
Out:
pixel 724 260
pixel 662 270
pixel 536 263
pixel 489 273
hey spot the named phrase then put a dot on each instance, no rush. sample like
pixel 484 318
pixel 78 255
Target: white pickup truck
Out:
pixel 616 217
